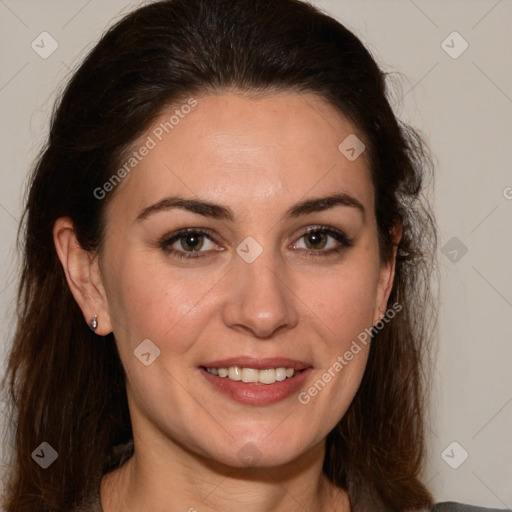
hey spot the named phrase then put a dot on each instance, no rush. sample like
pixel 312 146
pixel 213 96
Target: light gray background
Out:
pixel 463 105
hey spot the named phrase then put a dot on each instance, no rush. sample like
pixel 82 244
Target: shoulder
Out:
pixel 452 506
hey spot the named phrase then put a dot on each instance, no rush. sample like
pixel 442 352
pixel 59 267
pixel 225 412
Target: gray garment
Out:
pixel 451 506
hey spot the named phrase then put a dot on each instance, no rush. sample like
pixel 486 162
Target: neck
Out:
pixel 164 474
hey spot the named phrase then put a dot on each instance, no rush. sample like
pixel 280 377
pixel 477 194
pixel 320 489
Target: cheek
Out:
pixel 343 305
pixel 344 300
pixel 343 309
pixel 151 300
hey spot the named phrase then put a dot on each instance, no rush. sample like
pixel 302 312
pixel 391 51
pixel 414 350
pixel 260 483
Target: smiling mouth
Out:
pixel 254 376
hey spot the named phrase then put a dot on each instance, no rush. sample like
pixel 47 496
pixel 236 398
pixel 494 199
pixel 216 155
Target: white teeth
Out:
pixel 252 375
pixel 280 374
pixel 235 373
pixel 267 376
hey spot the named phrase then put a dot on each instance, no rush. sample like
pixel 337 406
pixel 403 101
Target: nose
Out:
pixel 260 299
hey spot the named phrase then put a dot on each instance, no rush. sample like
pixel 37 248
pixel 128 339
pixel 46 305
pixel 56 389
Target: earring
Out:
pixel 93 324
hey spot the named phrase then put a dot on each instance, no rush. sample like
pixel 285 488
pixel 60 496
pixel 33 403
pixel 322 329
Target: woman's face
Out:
pixel 247 286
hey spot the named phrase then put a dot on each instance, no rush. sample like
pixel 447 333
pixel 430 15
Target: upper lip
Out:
pixel 257 363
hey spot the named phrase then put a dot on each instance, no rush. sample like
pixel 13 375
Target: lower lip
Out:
pixel 257 394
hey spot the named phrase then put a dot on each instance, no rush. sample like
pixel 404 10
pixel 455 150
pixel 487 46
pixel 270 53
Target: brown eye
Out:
pixel 189 243
pixel 192 242
pixel 315 240
pixel 323 241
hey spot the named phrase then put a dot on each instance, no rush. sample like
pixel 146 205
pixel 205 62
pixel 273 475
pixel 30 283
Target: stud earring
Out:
pixel 93 324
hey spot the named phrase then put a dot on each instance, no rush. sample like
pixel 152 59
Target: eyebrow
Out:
pixel 216 211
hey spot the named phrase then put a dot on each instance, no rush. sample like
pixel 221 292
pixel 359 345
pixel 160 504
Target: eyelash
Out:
pixel 168 241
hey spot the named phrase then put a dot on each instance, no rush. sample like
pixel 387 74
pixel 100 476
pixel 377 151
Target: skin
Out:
pixel 258 156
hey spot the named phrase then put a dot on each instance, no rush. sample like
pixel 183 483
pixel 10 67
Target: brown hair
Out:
pixel 65 385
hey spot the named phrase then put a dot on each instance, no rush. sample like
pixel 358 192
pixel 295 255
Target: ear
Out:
pixel 83 275
pixel 387 274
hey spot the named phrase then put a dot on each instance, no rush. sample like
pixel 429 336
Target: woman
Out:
pixel 224 299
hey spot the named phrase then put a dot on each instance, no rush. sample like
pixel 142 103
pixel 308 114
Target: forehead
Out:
pixel 273 148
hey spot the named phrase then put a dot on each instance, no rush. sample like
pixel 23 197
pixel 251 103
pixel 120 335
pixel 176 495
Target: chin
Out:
pixel 261 452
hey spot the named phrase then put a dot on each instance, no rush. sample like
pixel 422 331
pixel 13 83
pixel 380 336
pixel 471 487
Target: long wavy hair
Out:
pixel 66 386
